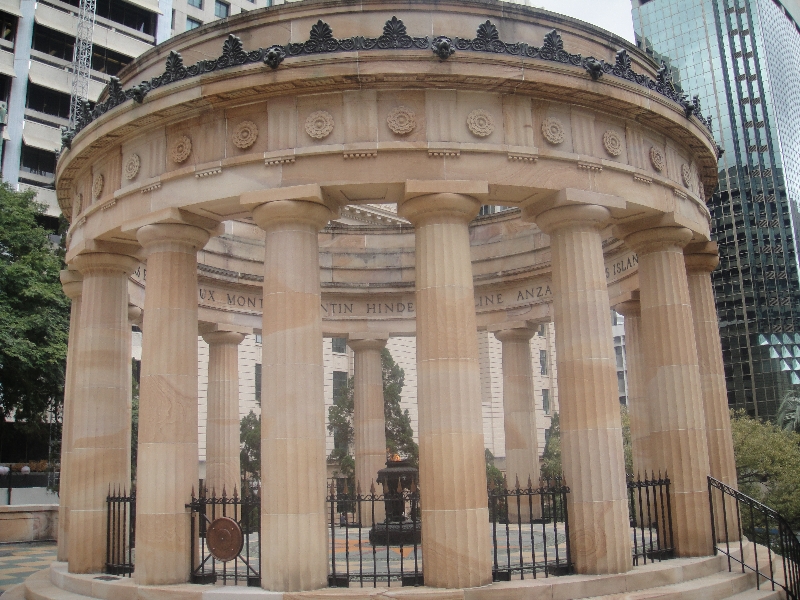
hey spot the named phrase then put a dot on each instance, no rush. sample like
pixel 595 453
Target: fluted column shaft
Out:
pixel 638 409
pixel 293 524
pixel 701 260
pixel 369 421
pixel 73 288
pixel 455 532
pixel 712 368
pixel 223 471
pixel 98 459
pixel 591 428
pixel 678 432
pixel 167 468
pixel 519 412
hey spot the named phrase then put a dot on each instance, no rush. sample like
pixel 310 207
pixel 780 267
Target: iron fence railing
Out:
pixel 775 548
pixel 226 543
pixel 529 529
pixel 650 511
pixel 120 532
pixel 374 538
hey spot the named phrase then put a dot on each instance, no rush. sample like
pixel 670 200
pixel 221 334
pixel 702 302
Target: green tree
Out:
pixel 399 433
pixel 768 464
pixel 250 454
pixel 34 312
pixel 134 427
pixel 788 417
pixel 551 459
pixel 626 439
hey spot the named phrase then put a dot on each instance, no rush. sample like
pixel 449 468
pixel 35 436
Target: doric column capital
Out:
pixel 577 215
pixel 135 315
pixel 439 207
pixel 72 282
pixel 172 237
pixel 93 262
pixel 629 308
pixel 367 343
pixel 279 212
pixel 657 239
pixel 223 337
pixel 701 257
pixel 513 334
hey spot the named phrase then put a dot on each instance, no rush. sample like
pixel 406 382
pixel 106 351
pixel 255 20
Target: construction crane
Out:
pixel 82 58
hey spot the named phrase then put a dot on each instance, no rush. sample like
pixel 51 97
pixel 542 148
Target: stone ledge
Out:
pixel 28 522
pixel 675 577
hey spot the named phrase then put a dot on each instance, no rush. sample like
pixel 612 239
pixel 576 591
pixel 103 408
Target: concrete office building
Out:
pixel 37 39
pixel 740 56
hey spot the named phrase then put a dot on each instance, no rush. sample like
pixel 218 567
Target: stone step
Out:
pixel 39 587
pixel 717 586
pixel 761 594
pixel 14 593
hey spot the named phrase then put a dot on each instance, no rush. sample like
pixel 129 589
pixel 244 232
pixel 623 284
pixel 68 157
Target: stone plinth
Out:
pixel 455 516
pixel 293 518
pixel 369 422
pixel 100 455
pixel 674 394
pixel 591 428
pixel 223 472
pixel 167 467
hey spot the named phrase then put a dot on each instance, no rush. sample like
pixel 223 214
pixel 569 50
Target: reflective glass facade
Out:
pixel 741 58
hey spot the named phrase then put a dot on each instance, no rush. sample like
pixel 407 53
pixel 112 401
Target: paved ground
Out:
pixel 17 561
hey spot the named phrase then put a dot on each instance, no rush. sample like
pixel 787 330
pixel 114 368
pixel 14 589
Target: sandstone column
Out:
pixel 519 412
pixel 99 457
pixel 678 432
pixel 591 429
pixel 455 520
pixel 167 468
pixel 293 516
pixel 369 422
pixel 72 282
pixel 701 260
pixel 638 408
pixel 222 428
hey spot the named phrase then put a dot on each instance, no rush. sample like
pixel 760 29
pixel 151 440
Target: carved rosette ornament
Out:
pixel 181 149
pixel 686 175
pixel 97 186
pixel 319 124
pixel 553 131
pixel 245 134
pixel 612 142
pixel 132 166
pixel 480 123
pixel 402 120
pixel 657 159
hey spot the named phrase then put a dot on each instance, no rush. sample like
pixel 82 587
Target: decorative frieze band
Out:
pixel 395 36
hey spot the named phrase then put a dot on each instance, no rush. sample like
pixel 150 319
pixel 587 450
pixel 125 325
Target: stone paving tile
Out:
pixel 18 561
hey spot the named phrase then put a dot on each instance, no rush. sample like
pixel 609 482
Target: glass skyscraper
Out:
pixel 742 57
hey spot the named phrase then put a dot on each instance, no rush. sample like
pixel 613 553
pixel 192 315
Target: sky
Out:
pixel 614 15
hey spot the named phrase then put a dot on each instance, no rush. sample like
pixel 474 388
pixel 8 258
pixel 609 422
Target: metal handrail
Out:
pixel 764 526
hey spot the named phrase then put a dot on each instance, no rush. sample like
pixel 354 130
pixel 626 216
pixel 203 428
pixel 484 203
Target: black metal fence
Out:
pixel 775 549
pixel 650 511
pixel 226 544
pixel 530 530
pixel 120 532
pixel 374 537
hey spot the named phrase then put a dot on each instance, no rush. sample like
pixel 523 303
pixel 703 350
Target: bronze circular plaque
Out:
pixel 225 539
